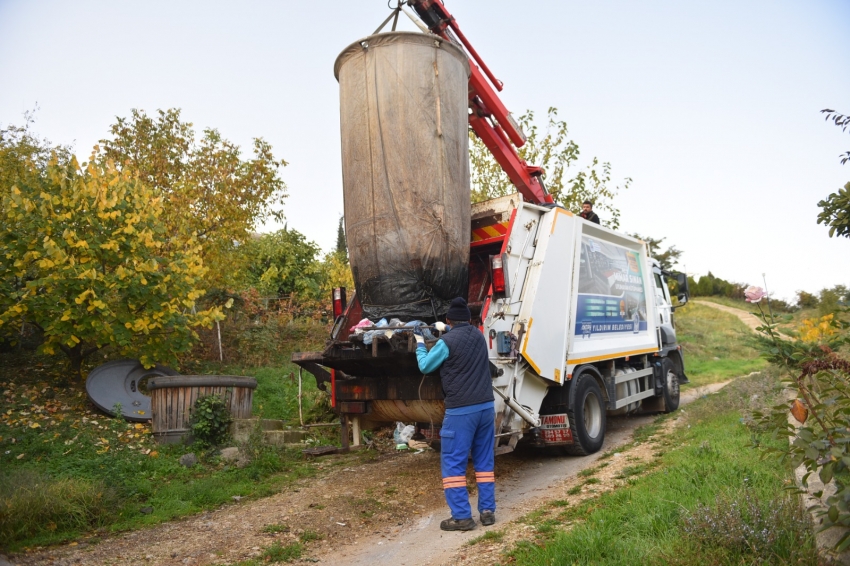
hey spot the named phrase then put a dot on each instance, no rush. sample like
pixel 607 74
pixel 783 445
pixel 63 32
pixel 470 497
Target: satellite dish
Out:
pixel 125 382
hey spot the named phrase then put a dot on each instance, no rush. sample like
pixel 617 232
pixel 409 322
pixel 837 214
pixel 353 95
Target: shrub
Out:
pixel 33 504
pixel 211 420
pixel 747 526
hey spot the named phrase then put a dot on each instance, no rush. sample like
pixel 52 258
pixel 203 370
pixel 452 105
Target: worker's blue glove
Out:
pixel 417 334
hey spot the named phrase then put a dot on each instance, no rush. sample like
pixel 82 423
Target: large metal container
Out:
pixel 405 170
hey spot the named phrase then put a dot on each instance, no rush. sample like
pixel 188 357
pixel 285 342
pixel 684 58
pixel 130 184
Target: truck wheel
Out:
pixel 670 371
pixel 587 417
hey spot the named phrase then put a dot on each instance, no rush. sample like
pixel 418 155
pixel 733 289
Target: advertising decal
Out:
pixel 611 297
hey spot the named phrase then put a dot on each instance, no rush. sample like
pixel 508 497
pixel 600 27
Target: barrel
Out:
pixel 173 398
pixel 405 172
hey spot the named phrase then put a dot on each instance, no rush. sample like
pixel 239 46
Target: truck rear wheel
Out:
pixel 670 371
pixel 587 416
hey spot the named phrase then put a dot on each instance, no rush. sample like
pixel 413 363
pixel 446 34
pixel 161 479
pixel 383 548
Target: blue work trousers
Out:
pixel 459 434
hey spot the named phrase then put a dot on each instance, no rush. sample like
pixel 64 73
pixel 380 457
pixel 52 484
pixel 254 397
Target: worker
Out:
pixel 587 212
pixel 461 356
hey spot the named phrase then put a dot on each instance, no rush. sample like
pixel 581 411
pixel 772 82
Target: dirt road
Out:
pixel 362 509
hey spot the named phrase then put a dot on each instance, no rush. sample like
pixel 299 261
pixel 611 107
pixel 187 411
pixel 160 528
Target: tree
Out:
pixel 835 209
pixel 86 256
pixel 667 259
pixel 806 300
pixel 207 189
pixel 22 152
pixel 341 244
pixel 557 154
pixel 283 263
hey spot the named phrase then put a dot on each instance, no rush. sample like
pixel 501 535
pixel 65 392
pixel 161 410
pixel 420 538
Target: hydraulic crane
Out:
pixel 489 118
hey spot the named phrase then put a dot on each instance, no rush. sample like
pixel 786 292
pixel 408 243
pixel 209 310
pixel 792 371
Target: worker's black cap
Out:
pixel 458 311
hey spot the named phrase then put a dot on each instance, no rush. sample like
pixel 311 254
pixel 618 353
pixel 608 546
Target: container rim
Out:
pixel 201 381
pixel 379 39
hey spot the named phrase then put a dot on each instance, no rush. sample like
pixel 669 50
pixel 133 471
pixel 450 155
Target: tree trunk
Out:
pixel 75 361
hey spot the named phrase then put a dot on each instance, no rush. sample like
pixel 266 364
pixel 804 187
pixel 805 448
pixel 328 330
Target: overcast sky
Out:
pixel 712 108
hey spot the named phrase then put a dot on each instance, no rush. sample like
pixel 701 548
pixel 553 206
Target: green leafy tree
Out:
pixel 835 209
pixel 22 153
pixel 553 150
pixel 806 300
pixel 283 263
pixel 86 256
pixel 341 244
pixel 668 258
pixel 208 190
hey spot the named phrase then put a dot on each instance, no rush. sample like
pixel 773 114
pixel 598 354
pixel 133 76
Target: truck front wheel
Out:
pixel 670 371
pixel 587 416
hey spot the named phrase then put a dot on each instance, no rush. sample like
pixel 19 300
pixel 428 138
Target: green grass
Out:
pixel 716 345
pixel 489 536
pixel 711 499
pixel 66 469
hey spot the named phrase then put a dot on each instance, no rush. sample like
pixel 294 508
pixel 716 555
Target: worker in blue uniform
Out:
pixel 461 356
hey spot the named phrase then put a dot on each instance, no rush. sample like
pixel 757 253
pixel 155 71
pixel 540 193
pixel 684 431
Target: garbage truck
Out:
pixel 578 318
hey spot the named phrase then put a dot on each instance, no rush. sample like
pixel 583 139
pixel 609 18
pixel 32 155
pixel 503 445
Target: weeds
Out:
pixel 275 529
pixel 280 553
pixel 750 526
pixel 489 536
pixel 33 504
pixel 309 536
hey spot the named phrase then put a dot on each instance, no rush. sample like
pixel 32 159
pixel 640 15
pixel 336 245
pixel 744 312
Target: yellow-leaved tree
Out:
pixel 86 256
pixel 208 189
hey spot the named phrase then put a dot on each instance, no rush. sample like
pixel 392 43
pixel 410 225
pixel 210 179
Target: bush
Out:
pixel 33 504
pixel 211 420
pixel 747 526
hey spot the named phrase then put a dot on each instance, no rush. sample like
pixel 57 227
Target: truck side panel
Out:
pixel 613 303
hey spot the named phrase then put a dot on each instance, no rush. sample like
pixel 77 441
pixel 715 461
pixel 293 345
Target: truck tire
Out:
pixel 670 371
pixel 587 416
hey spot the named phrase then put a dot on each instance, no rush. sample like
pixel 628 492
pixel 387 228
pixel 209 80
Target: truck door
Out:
pixel 662 299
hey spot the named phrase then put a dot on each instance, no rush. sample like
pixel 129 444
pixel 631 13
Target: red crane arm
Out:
pixel 489 118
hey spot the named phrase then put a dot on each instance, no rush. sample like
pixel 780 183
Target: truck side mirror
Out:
pixel 682 286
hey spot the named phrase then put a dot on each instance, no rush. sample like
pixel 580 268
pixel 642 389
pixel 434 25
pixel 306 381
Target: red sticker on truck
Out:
pixel 555 429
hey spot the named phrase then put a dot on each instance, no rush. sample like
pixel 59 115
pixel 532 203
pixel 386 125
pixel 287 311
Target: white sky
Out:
pixel 711 107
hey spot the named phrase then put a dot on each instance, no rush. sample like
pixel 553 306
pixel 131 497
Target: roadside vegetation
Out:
pixel 706 497
pixel 717 346
pixel 67 470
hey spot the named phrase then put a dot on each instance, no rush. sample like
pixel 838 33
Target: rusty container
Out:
pixel 173 397
pixel 405 172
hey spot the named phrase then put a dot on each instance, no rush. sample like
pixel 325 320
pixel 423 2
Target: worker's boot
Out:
pixel 488 518
pixel 458 524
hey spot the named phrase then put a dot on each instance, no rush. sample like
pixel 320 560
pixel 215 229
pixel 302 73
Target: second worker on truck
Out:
pixel 462 358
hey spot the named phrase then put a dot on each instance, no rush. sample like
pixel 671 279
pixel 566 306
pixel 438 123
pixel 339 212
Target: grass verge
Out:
pixel 709 499
pixel 716 345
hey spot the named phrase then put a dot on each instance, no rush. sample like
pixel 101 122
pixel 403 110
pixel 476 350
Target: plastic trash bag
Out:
pixel 402 435
pixel 368 336
pixel 358 328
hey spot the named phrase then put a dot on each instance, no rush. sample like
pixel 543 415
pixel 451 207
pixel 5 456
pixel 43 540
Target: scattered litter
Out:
pixel 340 524
pixel 418 444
